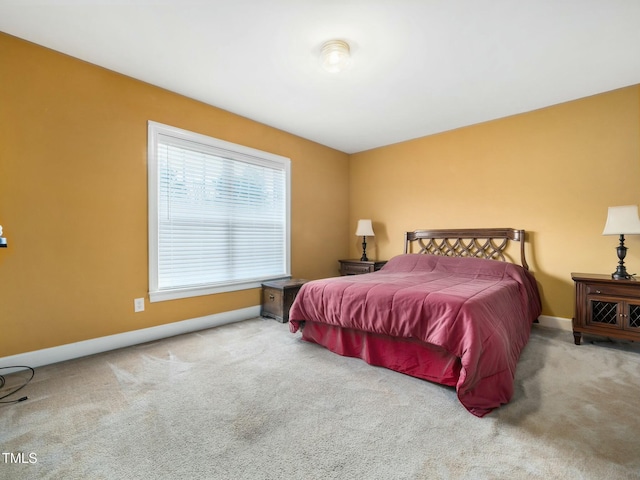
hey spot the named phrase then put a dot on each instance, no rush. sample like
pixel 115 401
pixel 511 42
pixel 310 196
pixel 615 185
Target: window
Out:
pixel 218 215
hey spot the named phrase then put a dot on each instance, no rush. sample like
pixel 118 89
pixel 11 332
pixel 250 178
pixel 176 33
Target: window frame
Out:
pixel 227 150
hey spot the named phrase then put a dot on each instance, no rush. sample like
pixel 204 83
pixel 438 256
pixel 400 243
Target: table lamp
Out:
pixel 622 221
pixel 364 230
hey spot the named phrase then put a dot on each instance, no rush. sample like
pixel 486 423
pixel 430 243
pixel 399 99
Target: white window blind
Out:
pixel 220 219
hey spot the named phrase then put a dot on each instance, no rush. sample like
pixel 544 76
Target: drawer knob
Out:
pixel 598 291
pixel 271 296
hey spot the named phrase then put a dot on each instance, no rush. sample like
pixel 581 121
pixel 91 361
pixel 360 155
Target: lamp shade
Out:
pixel 365 229
pixel 622 220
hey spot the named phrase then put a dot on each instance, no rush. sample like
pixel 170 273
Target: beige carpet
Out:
pixel 250 400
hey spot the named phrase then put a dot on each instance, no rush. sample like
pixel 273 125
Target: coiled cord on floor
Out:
pixel 17 389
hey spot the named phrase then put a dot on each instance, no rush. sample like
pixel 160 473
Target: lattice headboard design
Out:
pixel 490 243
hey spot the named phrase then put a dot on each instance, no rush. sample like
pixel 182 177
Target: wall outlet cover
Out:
pixel 138 305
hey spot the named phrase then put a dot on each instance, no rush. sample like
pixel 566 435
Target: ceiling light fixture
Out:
pixel 336 56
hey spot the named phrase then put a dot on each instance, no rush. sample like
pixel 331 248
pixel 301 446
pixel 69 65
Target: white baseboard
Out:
pixel 70 351
pixel 556 322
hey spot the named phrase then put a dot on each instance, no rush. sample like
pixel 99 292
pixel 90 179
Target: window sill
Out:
pixel 178 293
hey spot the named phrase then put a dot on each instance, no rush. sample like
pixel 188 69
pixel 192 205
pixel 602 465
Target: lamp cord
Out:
pixel 3 382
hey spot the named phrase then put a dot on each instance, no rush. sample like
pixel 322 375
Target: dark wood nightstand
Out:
pixel 606 307
pixel 277 297
pixel 357 267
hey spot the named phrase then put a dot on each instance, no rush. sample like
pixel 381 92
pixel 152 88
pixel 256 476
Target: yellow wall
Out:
pixel 73 199
pixel 552 172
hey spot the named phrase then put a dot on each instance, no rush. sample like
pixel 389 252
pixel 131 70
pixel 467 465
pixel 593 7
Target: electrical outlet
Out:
pixel 138 305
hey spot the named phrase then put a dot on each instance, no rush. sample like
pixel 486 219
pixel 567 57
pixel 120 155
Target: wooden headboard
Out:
pixel 489 243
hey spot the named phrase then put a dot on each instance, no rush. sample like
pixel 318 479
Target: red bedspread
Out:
pixel 479 311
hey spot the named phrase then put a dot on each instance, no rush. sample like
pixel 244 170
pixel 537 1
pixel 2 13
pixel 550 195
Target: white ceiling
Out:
pixel 419 66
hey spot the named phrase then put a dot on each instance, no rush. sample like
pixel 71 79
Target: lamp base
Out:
pixel 621 276
pixel 621 270
pixel 364 258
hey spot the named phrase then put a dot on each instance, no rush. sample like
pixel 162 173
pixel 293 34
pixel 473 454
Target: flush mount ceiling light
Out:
pixel 336 56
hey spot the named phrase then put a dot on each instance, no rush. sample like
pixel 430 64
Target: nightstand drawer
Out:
pixel 358 267
pixel 351 269
pixel 272 302
pixel 602 289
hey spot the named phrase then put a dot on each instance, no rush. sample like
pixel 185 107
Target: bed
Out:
pixel 456 308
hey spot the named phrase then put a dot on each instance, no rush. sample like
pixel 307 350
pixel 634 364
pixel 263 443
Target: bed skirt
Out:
pixel 407 356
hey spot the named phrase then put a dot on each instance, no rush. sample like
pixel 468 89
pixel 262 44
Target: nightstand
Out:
pixel 357 267
pixel 606 307
pixel 277 298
